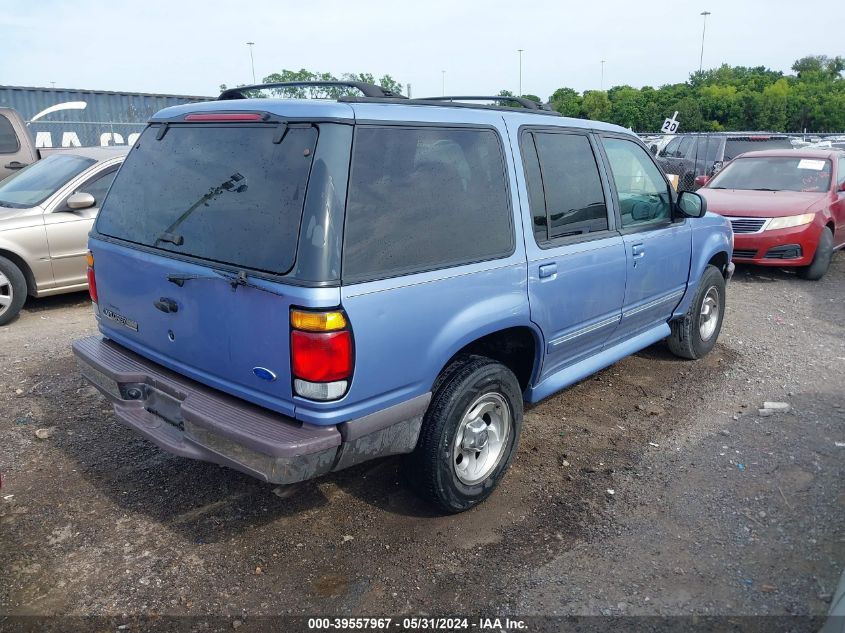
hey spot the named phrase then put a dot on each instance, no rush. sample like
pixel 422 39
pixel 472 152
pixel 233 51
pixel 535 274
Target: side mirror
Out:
pixel 841 186
pixel 81 200
pixel 653 149
pixel 691 204
pixel 702 180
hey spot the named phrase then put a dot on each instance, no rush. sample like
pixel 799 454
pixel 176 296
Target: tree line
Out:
pixel 721 99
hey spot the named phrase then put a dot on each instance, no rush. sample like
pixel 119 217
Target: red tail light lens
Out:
pixel 92 285
pixel 321 356
pixel 92 279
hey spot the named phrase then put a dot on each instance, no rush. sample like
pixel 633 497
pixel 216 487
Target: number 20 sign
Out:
pixel 670 126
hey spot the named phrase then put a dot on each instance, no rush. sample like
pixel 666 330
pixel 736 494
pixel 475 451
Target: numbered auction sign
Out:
pixel 670 126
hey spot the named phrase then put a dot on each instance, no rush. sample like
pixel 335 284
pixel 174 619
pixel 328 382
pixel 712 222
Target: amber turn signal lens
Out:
pixel 90 259
pixel 317 321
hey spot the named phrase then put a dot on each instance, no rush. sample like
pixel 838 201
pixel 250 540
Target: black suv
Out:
pixel 692 155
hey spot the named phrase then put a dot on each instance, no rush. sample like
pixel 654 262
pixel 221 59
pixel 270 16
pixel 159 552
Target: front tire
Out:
pixel 12 290
pixel 469 435
pixel 821 260
pixel 695 334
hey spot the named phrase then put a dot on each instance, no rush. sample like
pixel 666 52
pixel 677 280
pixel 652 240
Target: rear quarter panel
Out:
pixel 407 328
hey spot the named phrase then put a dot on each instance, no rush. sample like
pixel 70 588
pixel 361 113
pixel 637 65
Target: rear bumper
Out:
pixel 784 247
pixel 192 420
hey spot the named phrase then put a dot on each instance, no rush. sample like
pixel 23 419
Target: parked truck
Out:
pixel 33 120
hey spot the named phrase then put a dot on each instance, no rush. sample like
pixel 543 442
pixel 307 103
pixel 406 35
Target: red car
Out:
pixel 786 207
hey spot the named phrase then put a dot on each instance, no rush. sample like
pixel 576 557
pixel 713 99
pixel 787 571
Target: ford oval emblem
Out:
pixel 264 373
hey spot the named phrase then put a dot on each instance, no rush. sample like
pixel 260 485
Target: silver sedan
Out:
pixel 46 212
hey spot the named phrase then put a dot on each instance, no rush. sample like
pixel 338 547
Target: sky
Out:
pixel 190 47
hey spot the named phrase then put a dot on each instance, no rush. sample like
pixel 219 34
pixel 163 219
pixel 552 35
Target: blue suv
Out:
pixel 290 287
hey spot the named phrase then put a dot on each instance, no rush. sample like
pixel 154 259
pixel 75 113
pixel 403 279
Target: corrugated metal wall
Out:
pixel 85 117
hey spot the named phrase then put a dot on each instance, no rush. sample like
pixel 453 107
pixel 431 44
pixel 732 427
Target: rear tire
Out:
pixel 695 334
pixel 821 260
pixel 469 434
pixel 12 290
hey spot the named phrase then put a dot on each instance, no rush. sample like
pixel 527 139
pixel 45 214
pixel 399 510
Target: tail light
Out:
pixel 92 280
pixel 321 354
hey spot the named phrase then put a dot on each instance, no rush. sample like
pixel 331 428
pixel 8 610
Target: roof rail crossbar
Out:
pixel 529 104
pixel 368 90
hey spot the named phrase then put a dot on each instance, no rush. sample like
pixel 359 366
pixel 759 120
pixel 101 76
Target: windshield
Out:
pixel 225 193
pixel 775 173
pixel 34 184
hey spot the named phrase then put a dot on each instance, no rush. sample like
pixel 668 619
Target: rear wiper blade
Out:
pixel 241 279
pixel 235 184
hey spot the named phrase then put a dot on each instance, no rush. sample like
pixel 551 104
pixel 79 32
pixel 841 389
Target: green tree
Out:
pixel 821 64
pixel 325 92
pixel 626 107
pixel 773 106
pixel 566 101
pixel 596 105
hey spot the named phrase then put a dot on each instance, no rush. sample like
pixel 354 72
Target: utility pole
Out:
pixel 443 81
pixel 251 60
pixel 520 72
pixel 703 32
pixel 601 85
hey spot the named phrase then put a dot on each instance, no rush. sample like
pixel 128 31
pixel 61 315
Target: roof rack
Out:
pixel 368 90
pixel 440 103
pixel 530 104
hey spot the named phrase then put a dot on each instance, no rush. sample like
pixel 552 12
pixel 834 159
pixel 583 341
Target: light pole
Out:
pixel 251 60
pixel 601 85
pixel 443 81
pixel 703 31
pixel 520 72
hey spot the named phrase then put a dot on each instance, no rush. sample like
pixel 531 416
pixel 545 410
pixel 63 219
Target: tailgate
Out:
pixel 218 334
pixel 194 208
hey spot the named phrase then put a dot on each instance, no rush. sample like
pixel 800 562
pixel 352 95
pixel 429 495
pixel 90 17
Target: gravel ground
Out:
pixel 713 510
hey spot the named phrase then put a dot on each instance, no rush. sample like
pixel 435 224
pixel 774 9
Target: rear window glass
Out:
pixel 424 198
pixel 735 147
pixel 8 138
pixel 224 193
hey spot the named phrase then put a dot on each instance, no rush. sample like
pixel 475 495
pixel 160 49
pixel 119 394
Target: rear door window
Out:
pixel 565 193
pixel 684 147
pixel 712 154
pixel 223 193
pixel 424 198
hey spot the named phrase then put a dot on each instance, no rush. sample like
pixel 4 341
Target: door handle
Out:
pixel 638 251
pixel 548 270
pixel 15 165
pixel 166 305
